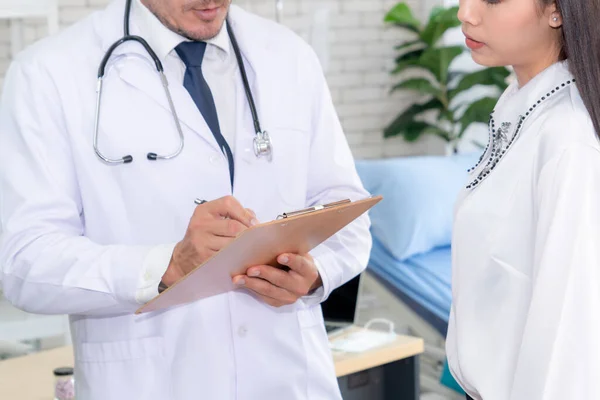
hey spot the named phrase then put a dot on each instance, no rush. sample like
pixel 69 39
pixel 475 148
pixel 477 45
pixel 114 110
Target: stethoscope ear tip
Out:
pixel 152 156
pixel 127 159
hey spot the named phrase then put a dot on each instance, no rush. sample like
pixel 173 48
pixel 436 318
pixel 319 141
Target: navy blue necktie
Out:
pixel 192 54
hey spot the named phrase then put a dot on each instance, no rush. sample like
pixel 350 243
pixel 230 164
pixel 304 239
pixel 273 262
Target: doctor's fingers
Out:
pixel 228 228
pixel 293 283
pixel 270 294
pixel 301 265
pixel 214 243
pixel 230 207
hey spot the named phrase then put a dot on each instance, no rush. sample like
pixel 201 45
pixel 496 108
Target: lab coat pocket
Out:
pixel 320 370
pixel 123 370
pixel 291 162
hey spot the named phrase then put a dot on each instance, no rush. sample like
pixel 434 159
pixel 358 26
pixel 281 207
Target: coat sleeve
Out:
pixel 47 265
pixel 559 356
pixel 332 176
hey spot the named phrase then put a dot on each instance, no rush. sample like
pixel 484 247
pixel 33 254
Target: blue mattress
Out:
pixel 423 281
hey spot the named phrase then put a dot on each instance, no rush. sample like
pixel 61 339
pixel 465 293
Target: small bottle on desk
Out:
pixel 64 384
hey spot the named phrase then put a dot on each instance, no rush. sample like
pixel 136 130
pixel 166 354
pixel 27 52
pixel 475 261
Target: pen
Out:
pixel 314 208
pixel 199 201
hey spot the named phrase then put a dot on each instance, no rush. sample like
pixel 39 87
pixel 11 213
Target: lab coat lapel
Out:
pixel 254 54
pixel 141 75
pixel 262 77
pixel 148 81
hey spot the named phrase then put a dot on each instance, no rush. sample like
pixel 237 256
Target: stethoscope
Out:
pixel 262 141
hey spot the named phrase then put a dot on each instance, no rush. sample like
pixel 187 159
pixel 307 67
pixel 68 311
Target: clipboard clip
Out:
pixel 312 209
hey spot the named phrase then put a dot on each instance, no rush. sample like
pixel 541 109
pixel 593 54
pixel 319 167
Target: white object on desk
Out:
pixel 14 349
pixel 361 340
pixel 17 10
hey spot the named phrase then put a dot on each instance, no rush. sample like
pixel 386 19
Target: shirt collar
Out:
pixel 163 40
pixel 516 101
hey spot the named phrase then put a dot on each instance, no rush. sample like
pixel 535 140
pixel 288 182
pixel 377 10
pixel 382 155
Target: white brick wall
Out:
pixel 360 56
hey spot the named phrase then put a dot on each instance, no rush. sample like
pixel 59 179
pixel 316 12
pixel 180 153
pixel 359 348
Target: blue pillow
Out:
pixel 419 194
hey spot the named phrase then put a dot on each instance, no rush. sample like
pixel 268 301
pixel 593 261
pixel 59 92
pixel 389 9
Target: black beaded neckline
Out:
pixel 497 138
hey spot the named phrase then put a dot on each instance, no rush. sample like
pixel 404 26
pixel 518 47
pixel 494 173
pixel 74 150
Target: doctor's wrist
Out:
pixel 172 275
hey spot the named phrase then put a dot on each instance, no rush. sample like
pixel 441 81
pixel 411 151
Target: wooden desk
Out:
pixel 403 347
pixel 30 377
pixel 386 372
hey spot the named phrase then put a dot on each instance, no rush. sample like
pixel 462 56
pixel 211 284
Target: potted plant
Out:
pixel 443 112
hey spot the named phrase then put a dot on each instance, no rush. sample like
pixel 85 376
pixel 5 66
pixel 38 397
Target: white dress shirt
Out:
pixel 219 67
pixel 221 71
pixel 524 321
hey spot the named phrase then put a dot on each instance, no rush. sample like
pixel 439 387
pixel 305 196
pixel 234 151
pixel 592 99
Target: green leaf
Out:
pixel 478 111
pixel 415 129
pixel 408 116
pixel 401 15
pixel 454 75
pixel 404 65
pixel 447 115
pixel 439 22
pixel 435 12
pixel 438 60
pixel 490 76
pixel 410 55
pixel 408 44
pixel 421 85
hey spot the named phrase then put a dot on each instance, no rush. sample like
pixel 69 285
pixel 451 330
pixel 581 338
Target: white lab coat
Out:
pixel 525 319
pixel 76 231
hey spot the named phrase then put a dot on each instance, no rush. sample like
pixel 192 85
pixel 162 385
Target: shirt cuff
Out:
pixel 155 265
pixel 319 295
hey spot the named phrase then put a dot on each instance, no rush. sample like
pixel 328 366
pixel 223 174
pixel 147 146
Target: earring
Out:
pixel 555 19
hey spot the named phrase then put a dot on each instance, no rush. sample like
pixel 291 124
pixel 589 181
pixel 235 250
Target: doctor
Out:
pixel 98 198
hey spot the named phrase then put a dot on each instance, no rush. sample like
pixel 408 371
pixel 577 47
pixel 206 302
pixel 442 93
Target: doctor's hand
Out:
pixel 213 225
pixel 278 287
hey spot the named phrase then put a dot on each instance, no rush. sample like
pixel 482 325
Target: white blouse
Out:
pixel 525 319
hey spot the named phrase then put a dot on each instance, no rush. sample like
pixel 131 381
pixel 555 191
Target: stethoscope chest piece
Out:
pixel 262 145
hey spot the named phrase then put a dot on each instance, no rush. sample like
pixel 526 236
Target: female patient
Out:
pixel 525 322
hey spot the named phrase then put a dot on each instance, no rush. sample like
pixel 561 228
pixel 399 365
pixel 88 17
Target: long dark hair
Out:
pixel 581 46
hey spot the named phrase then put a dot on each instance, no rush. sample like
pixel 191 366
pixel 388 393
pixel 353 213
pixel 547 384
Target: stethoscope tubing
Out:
pixel 262 143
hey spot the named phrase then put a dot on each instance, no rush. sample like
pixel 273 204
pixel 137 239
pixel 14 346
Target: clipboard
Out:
pixel 296 232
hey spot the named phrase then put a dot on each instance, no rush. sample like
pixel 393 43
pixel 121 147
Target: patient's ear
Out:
pixel 555 19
